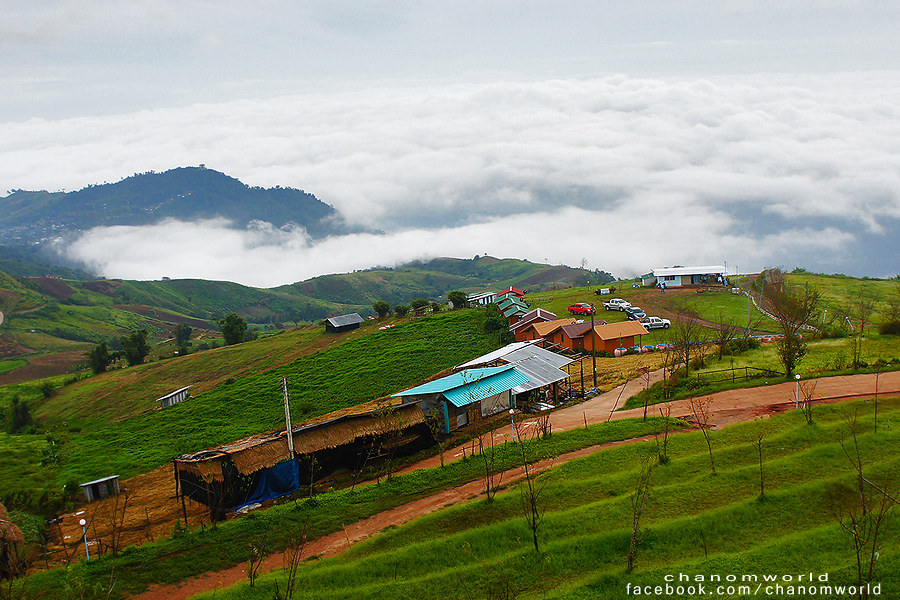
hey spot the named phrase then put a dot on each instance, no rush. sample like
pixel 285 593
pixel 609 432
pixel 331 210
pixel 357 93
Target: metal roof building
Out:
pixel 343 323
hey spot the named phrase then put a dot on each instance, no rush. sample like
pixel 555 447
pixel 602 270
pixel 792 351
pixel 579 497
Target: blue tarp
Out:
pixel 276 481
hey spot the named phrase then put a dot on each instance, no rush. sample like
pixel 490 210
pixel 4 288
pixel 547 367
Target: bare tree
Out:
pixel 862 517
pixel 663 451
pixel 293 553
pixel 861 309
pixel 726 331
pixel 531 492
pixel 793 307
pixel 808 392
pixel 687 337
pixel 700 411
pixel 638 501
pixel 759 448
pixel 491 477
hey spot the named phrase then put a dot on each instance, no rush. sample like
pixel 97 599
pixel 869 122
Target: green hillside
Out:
pixel 694 522
pixel 107 423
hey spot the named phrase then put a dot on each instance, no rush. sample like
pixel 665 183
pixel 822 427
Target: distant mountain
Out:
pixel 186 193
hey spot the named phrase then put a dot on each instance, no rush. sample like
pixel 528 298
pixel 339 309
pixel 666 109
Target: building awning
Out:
pixel 676 271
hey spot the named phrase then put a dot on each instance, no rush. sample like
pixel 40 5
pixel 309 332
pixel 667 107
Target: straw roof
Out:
pixel 9 532
pixel 265 450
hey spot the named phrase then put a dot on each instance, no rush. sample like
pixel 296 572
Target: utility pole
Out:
pixel 594 346
pixel 287 417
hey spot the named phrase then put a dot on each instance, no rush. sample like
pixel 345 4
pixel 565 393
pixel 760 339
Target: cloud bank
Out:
pixel 627 173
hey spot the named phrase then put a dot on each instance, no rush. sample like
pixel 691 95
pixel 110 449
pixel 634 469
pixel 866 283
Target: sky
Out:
pixel 624 136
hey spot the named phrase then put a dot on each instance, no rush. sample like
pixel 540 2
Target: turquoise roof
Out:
pixel 471 385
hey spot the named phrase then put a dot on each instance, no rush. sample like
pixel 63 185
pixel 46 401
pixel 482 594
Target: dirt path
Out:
pixel 726 408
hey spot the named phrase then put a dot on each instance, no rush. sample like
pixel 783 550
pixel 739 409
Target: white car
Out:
pixel 616 304
pixel 655 323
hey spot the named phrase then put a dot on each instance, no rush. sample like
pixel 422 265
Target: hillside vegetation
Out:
pixel 694 522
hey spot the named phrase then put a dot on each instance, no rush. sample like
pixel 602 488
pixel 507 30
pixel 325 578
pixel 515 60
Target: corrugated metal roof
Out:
pixel 495 355
pixel 552 358
pixel 514 309
pixel 487 387
pixel 612 331
pixel 471 385
pixel 343 320
pixel 539 372
pixel 706 270
pixel 547 327
pixel 536 314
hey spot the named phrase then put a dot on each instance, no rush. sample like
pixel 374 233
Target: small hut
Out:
pixel 174 397
pixel 343 323
pixel 100 488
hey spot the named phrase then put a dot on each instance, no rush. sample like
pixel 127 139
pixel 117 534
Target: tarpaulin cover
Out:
pixel 278 480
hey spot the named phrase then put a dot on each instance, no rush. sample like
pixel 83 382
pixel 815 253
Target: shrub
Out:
pixel 401 310
pixel 831 331
pixel 889 328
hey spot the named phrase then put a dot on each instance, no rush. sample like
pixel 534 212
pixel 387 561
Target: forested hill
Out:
pixel 185 193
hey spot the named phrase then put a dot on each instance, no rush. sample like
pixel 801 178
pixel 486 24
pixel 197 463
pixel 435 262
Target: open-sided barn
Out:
pixel 261 467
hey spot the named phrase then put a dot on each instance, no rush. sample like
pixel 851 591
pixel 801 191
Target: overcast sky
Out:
pixel 630 135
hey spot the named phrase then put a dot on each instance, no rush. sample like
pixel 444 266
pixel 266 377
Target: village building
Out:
pixel 682 276
pixel 610 336
pixel 466 396
pixel 572 336
pixel 482 298
pixel 535 316
pixel 543 330
pixel 512 291
pixel 174 397
pixel 261 467
pixel 100 488
pixel 343 323
pixel 542 367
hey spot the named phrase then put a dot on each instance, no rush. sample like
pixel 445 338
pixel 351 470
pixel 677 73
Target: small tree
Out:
pixel 458 299
pixel 100 358
pixel 233 328
pixel 183 333
pixel 419 303
pixel 135 347
pixel 401 310
pixel 687 334
pixel 793 307
pixel 700 411
pixel 382 308
pixel 18 417
pixel 638 501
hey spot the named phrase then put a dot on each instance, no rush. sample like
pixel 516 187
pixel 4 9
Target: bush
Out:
pixel 831 332
pixel 889 328
pixel 737 346
pixel 401 310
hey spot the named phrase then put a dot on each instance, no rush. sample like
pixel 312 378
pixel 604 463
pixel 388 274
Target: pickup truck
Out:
pixel 655 323
pixel 581 308
pixel 616 304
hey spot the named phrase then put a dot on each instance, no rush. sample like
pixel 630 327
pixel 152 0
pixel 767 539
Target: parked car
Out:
pixel 616 304
pixel 655 323
pixel 582 308
pixel 634 313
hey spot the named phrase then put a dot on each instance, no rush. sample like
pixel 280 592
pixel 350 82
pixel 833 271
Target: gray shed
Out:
pixel 343 323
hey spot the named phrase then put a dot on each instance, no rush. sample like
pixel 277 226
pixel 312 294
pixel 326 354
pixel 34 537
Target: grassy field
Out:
pixel 695 522
pixel 193 552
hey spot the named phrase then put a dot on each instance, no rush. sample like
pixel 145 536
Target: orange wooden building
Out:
pixel 614 335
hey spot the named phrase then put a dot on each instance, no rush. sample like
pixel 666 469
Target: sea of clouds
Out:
pixel 626 173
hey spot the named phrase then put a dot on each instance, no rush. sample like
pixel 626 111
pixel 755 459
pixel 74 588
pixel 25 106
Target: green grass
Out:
pixel 694 523
pixel 179 558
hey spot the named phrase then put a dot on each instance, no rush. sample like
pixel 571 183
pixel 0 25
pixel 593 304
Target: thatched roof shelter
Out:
pixel 9 531
pixel 264 450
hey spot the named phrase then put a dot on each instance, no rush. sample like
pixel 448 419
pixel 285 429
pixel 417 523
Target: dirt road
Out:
pixel 728 407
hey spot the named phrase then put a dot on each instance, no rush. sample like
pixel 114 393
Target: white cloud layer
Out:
pixel 629 173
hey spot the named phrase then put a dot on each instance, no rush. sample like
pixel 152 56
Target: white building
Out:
pixel 679 276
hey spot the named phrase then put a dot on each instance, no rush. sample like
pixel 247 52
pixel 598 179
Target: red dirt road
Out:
pixel 726 408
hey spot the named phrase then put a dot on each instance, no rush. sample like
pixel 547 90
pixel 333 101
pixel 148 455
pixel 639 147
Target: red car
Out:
pixel 582 308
